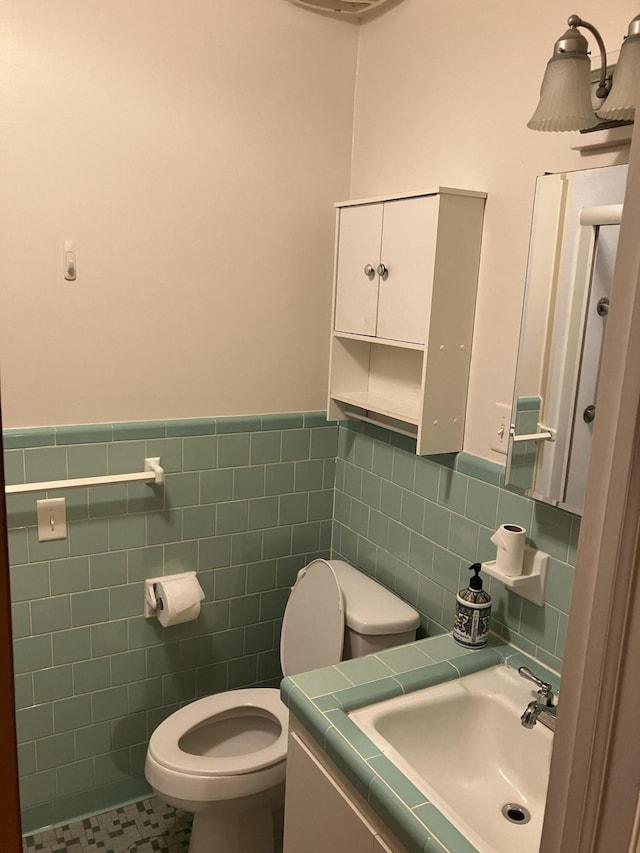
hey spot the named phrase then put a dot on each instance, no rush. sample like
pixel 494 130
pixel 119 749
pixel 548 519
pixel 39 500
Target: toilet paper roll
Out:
pixel 178 599
pixel 510 539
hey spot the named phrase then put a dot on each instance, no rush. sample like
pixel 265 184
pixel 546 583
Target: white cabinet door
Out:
pixel 358 246
pixel 318 816
pixel 400 235
pixel 409 232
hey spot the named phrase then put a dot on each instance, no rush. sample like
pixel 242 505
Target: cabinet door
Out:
pixel 356 292
pixel 318 816
pixel 409 232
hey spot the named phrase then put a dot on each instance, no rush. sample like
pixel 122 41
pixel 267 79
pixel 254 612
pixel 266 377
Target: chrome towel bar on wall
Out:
pixel 153 475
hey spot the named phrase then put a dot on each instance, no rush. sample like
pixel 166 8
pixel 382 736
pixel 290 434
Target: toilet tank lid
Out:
pixel 369 607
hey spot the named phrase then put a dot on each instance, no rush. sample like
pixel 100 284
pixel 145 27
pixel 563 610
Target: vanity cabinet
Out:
pixel 406 272
pixel 323 811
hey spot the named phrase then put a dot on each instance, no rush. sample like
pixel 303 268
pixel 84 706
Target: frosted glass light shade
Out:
pixel 621 101
pixel 565 96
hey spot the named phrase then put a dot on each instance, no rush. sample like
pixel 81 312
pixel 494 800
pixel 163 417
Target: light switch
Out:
pixel 500 428
pixel 52 519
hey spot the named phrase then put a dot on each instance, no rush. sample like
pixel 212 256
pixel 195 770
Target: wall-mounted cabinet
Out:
pixel 406 273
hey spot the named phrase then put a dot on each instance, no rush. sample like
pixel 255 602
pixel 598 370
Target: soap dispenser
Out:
pixel 473 609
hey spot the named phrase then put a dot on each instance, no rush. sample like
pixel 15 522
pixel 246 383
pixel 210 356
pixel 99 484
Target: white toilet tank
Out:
pixel 375 618
pixel 335 612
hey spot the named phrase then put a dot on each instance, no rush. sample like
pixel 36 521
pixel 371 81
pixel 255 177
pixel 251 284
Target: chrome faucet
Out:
pixel 541 709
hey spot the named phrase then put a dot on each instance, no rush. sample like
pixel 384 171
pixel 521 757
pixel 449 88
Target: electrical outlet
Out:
pixel 500 428
pixel 52 519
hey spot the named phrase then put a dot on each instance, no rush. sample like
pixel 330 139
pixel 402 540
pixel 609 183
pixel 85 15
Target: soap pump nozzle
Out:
pixel 475 582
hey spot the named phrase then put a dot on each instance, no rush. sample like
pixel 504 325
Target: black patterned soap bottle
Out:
pixel 473 609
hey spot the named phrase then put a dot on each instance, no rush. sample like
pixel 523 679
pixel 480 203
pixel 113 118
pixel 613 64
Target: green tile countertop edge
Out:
pixel 321 700
pixel 26 437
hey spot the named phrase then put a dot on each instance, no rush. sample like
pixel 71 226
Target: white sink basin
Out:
pixel 462 744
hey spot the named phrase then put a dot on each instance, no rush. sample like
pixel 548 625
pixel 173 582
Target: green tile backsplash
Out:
pixel 417 523
pixel 247 503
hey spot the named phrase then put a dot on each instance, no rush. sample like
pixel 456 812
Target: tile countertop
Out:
pixel 321 699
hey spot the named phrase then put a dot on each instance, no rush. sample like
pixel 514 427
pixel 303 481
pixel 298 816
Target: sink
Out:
pixel 462 745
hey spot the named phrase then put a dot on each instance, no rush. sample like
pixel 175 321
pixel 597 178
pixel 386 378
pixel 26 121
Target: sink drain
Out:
pixel 515 813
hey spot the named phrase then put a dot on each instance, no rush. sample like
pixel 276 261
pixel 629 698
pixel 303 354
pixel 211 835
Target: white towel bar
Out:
pixel 153 474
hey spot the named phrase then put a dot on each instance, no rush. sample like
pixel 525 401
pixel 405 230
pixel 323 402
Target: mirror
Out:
pixel 572 251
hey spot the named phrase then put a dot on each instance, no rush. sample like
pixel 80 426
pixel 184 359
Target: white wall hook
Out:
pixel 69 261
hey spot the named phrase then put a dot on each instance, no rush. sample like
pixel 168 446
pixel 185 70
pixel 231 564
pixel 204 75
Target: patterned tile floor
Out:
pixel 145 827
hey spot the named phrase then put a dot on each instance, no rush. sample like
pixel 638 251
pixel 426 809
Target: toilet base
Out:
pixel 213 832
pixel 236 826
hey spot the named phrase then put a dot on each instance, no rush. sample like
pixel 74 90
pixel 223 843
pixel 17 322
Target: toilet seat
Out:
pixel 164 745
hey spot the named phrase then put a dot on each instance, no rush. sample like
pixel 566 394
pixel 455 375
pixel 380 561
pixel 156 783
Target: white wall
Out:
pixel 193 151
pixel 444 91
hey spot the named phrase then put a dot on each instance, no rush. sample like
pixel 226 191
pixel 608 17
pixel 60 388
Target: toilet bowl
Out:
pixel 224 757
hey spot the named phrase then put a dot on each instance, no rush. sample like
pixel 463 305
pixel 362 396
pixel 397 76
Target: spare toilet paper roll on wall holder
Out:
pixel 151 602
pixel 530 584
pixel 510 540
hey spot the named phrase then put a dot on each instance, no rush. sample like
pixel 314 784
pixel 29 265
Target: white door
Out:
pixel 409 232
pixel 358 251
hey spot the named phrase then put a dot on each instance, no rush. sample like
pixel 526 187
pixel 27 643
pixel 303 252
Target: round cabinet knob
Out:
pixel 369 271
pixel 589 414
pixel 382 270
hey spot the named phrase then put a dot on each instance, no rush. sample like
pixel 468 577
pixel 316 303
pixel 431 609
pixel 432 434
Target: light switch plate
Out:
pixel 52 519
pixel 500 428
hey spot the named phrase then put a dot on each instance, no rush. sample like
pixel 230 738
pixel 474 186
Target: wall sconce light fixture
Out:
pixel 565 94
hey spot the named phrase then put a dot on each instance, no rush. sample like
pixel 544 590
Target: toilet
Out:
pixel 224 757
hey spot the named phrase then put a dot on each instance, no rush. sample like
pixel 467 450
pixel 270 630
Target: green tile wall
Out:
pixel 417 523
pixel 524 453
pixel 247 503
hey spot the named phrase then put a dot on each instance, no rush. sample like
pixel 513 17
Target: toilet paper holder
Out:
pixel 531 583
pixel 150 601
